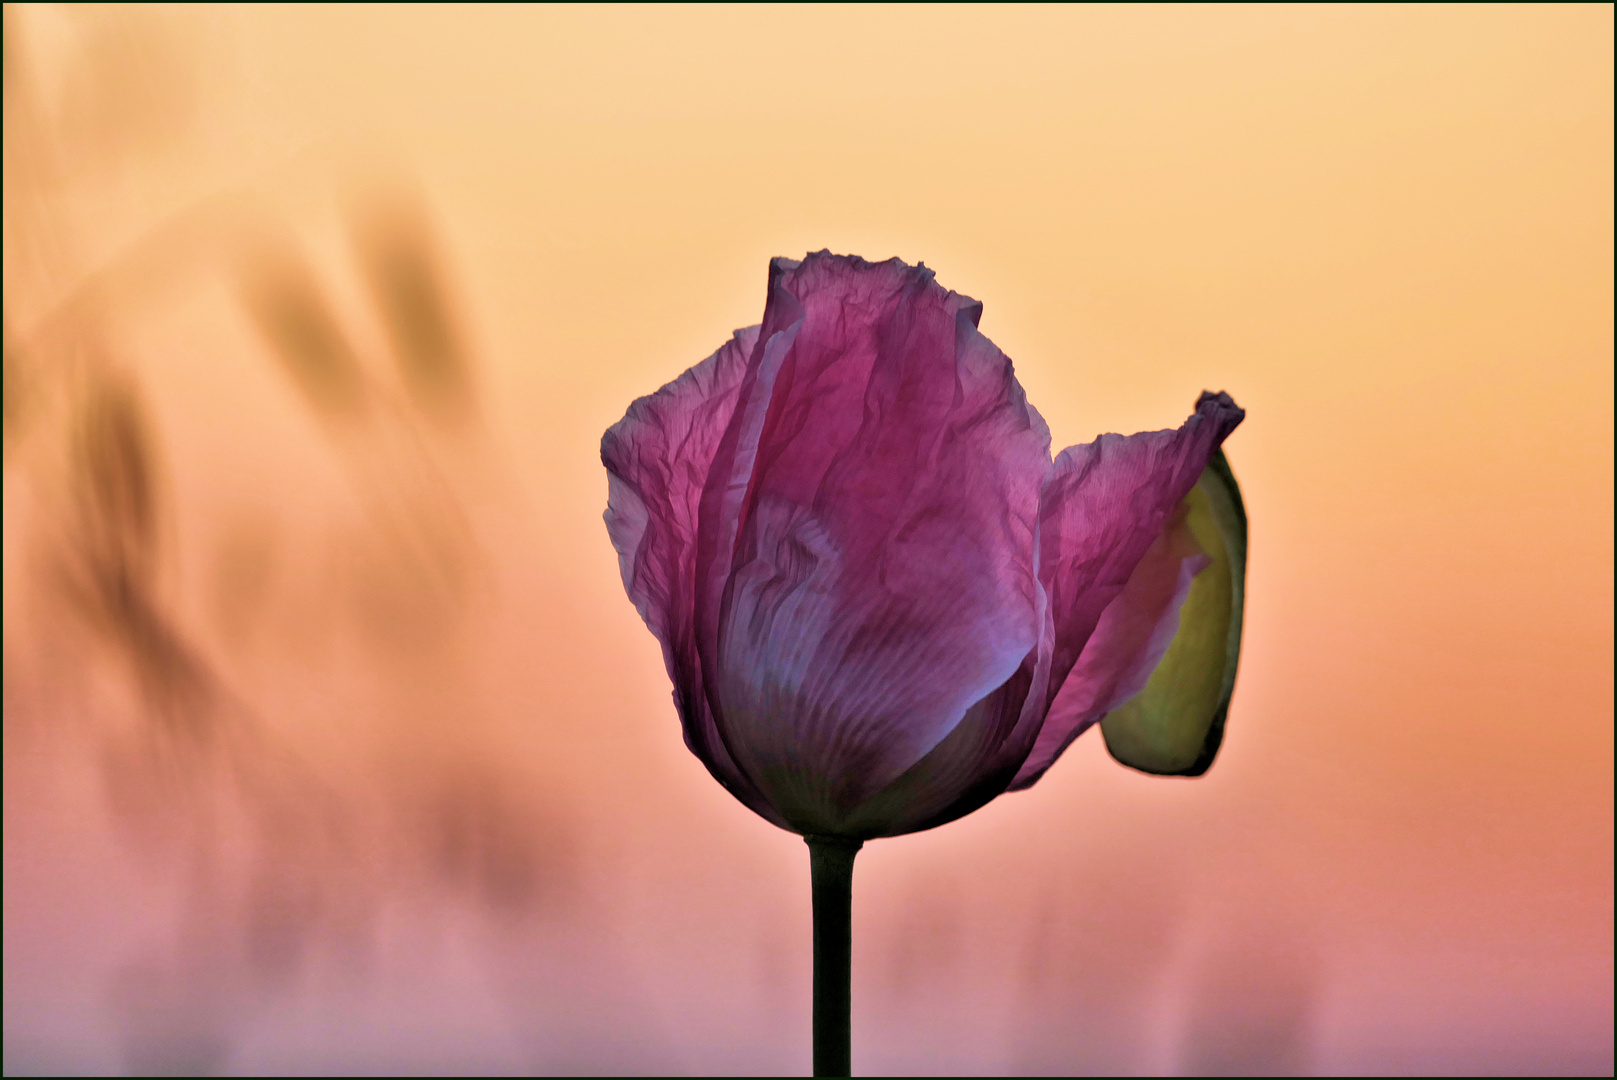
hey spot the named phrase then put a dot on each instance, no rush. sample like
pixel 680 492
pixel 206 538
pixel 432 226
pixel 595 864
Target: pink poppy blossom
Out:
pixel 880 602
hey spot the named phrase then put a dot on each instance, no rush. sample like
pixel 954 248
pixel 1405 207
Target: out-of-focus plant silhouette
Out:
pixel 417 563
pixel 272 851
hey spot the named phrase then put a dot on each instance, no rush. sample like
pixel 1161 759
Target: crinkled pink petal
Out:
pixel 657 459
pixel 865 570
pixel 1101 507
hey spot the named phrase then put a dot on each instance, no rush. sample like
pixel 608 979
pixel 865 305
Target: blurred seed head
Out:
pixel 109 568
pixel 401 260
pixel 115 470
pixel 289 309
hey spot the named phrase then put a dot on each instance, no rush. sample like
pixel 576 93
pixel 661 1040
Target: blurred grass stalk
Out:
pixel 273 852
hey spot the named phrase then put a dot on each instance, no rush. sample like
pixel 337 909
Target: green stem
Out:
pixel 831 875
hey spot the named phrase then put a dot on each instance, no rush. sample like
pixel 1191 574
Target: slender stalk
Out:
pixel 831 875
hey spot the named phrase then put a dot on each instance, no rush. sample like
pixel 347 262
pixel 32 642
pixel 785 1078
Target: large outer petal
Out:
pixel 865 561
pixel 1101 509
pixel 657 459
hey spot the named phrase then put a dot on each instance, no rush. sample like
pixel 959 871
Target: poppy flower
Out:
pixel 880 602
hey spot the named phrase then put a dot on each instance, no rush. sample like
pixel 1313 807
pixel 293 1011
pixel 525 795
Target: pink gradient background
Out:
pixel 444 820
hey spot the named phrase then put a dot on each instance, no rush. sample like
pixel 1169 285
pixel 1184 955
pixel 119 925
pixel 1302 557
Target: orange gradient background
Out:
pixel 414 798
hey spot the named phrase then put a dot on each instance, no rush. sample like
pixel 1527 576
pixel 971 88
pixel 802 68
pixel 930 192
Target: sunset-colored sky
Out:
pixel 332 743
